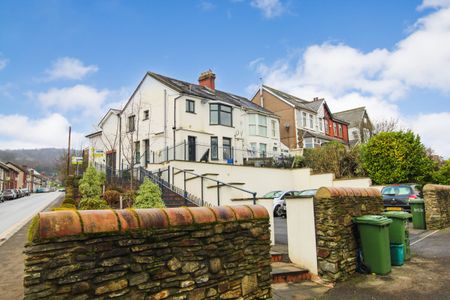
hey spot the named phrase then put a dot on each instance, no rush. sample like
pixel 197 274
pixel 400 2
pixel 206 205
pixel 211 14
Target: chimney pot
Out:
pixel 207 79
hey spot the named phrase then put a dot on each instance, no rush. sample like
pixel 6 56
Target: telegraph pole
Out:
pixel 68 153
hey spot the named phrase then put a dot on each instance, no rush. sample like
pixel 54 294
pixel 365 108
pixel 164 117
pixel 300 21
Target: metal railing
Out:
pixel 157 178
pixel 219 184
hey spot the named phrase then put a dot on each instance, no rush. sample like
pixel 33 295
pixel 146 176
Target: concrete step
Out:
pixel 288 272
pixel 279 257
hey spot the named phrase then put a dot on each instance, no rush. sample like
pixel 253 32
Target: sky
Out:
pixel 66 62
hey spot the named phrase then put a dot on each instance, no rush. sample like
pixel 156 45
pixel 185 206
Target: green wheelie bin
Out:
pixel 418 213
pixel 374 235
pixel 398 230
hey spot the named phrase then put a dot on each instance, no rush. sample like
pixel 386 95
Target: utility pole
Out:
pixel 68 153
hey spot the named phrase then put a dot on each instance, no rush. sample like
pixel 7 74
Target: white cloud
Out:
pixel 269 8
pixel 433 128
pixel 25 133
pixel 206 5
pixel 434 4
pixel 69 68
pixel 82 98
pixel 379 79
pixel 3 62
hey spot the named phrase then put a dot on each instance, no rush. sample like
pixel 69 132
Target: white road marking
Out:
pixel 415 242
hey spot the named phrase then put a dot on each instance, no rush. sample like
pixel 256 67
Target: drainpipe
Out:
pixel 175 121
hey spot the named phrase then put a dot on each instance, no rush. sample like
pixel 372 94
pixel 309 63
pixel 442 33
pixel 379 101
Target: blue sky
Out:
pixel 66 62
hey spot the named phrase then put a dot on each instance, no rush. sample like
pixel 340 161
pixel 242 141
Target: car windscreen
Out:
pixel 396 190
pixel 273 194
pixel 308 193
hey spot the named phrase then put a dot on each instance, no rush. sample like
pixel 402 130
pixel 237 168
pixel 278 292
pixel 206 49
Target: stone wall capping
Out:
pixel 328 192
pixel 202 215
pixel 98 221
pixel 259 211
pixel 242 212
pixel 63 223
pixel 224 213
pixel 430 186
pixel 58 224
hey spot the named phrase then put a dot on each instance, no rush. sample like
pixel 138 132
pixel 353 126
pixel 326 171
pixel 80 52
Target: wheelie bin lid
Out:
pixel 416 201
pixel 372 220
pixel 397 214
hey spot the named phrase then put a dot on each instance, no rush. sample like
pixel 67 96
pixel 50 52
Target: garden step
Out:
pixel 288 272
pixel 280 257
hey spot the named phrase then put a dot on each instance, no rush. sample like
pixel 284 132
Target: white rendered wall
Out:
pixel 301 233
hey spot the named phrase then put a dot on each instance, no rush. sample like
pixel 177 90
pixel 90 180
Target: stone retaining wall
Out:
pixel 437 206
pixel 177 253
pixel 336 237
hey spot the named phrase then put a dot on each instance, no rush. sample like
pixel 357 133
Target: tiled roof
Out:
pixel 308 133
pixel 297 102
pixel 206 93
pixel 352 116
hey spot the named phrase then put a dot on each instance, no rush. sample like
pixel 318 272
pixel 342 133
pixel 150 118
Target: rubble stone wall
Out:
pixel 437 206
pixel 176 253
pixel 336 235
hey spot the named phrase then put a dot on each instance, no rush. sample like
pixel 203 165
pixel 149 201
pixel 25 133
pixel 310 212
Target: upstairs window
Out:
pixel 131 123
pixel 262 125
pixel 327 127
pixel 190 106
pixel 311 121
pixel 252 124
pixel 220 114
pixel 340 130
pixel 304 119
pixel 321 124
pixel 274 128
pixel 146 114
pixel 334 129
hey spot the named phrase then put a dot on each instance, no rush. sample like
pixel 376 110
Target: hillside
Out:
pixel 44 160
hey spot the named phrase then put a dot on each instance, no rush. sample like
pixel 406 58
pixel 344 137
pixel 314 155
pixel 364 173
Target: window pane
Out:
pixel 225 118
pixel 262 149
pixel 214 148
pixel 225 108
pixel 274 128
pixel 304 119
pixel 263 130
pixel 252 119
pixel 214 117
pixel 252 129
pixel 226 148
pixel 214 106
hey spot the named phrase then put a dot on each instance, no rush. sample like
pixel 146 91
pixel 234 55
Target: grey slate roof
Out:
pixel 352 116
pixel 297 102
pixel 308 133
pixel 206 93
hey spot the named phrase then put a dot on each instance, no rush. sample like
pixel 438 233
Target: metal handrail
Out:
pixel 155 177
pixel 219 184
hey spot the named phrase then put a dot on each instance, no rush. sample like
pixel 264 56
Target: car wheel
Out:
pixel 278 211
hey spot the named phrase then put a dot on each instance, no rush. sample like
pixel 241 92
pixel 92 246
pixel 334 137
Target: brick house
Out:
pixel 22 173
pixel 303 124
pixel 360 126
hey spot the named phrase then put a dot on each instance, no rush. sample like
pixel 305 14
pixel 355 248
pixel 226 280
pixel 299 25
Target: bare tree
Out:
pixel 386 125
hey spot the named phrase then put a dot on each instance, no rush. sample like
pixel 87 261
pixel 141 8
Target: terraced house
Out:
pixel 169 119
pixel 303 124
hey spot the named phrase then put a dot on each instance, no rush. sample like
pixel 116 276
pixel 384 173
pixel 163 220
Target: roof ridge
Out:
pixel 361 107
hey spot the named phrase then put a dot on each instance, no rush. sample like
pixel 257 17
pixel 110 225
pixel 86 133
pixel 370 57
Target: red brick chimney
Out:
pixel 207 79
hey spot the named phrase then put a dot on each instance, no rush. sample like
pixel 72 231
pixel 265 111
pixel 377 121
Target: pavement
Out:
pixel 11 262
pixel 425 276
pixel 14 214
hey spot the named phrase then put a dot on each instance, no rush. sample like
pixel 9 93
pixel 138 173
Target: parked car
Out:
pixel 61 190
pixel 19 193
pixel 397 196
pixel 303 193
pixel 10 194
pixel 25 192
pixel 278 200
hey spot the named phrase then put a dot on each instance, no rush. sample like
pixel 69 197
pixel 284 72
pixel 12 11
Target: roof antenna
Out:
pixel 261 98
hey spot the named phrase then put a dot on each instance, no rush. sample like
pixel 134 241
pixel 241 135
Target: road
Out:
pixel 16 213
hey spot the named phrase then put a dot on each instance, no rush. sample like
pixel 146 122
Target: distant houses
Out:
pixel 15 176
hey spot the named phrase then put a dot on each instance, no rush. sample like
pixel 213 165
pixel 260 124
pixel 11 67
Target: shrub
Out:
pixel 442 176
pixel 148 196
pixel 112 197
pixel 128 198
pixel 396 157
pixel 90 186
pixel 92 203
